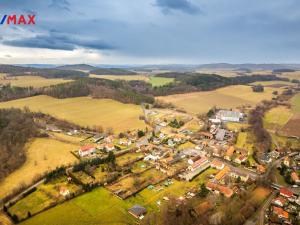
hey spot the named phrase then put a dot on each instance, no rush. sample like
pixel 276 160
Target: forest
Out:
pixel 16 128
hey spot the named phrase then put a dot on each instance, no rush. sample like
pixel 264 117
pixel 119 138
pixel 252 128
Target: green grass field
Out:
pixel 96 207
pixel 277 117
pixel 32 81
pixel 295 101
pixel 85 111
pixel 160 81
pixel 228 97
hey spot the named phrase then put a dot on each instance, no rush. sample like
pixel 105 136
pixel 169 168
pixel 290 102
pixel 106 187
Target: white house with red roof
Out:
pixel 286 193
pixel 279 201
pixel 86 150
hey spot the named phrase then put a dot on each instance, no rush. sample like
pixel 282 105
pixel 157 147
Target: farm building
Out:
pixel 220 134
pixel 230 116
pixel 86 150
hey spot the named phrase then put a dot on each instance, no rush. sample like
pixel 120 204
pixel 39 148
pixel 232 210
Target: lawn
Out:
pixel 243 141
pixel 43 154
pixel 186 145
pixel 33 203
pixel 277 117
pixel 85 111
pixel 96 207
pixel 160 81
pixel 32 81
pixel 128 158
pixel 44 196
pixel 140 166
pixel 149 197
pixel 228 97
pixel 133 183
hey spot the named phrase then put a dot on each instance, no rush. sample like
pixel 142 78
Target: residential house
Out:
pixel 142 142
pixel 109 139
pixel 280 212
pixel 286 161
pixel 194 165
pixel 217 151
pixel 206 135
pixel 171 143
pixel 231 116
pixel 86 150
pixel 279 201
pixel 217 164
pixel 240 159
pixel 261 169
pixel 64 191
pixel 109 147
pixel 98 138
pixel 216 188
pixel 137 211
pixel 229 153
pixel 295 177
pixel 286 193
pixel 222 173
pixel 125 142
pixel 151 157
pixel 237 174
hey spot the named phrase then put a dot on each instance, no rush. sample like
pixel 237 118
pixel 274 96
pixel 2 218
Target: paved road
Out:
pixel 252 175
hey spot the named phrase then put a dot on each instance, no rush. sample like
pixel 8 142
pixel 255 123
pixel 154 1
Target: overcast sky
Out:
pixel 152 31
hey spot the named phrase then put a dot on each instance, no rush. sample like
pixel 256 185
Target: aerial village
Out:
pixel 174 149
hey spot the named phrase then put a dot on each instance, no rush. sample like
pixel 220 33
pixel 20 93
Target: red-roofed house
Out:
pixel 280 212
pixel 279 201
pixel 217 164
pixel 286 193
pixel 240 159
pixel 198 163
pixel 216 188
pixel 86 150
pixel 109 147
pixel 229 153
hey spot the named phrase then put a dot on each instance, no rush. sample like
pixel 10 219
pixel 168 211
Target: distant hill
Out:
pixel 112 71
pixel 283 70
pixel 79 67
pixel 43 72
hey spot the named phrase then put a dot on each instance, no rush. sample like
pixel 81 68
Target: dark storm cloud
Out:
pixel 180 5
pixel 59 42
pixel 195 30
